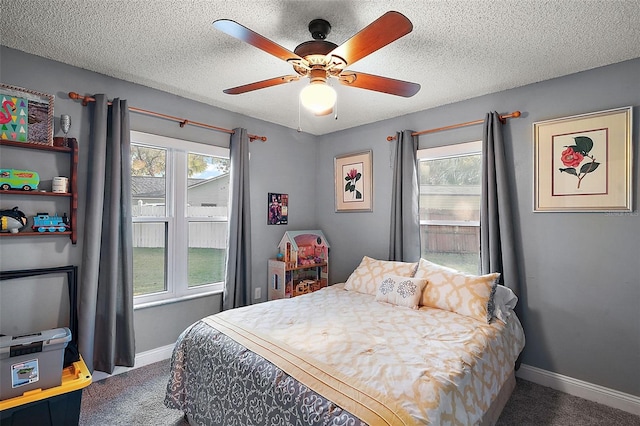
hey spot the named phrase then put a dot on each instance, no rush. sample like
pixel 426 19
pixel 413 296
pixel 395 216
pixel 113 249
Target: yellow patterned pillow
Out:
pixel 451 290
pixel 401 291
pixel 370 272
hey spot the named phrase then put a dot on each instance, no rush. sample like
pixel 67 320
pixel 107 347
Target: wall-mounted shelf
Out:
pixel 36 193
pixel 72 151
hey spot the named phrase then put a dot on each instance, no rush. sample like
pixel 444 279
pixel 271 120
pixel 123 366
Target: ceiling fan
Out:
pixel 320 60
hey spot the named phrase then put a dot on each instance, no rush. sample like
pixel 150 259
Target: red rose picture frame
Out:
pixel 583 163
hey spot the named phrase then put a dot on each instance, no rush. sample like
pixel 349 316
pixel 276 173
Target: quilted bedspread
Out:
pixel 337 357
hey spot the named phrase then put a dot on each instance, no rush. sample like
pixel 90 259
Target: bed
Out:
pixel 356 353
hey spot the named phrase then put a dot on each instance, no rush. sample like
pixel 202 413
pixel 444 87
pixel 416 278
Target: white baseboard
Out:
pixel 142 359
pixel 610 397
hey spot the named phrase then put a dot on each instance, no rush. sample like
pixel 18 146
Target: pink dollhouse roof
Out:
pixel 303 238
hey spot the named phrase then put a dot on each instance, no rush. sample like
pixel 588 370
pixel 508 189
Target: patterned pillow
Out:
pixel 455 291
pixel 401 291
pixel 370 272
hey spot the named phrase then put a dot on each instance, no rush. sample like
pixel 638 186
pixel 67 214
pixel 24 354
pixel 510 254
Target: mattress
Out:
pixel 339 357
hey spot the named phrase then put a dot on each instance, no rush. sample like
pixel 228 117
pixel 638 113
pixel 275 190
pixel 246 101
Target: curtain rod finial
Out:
pixel 85 99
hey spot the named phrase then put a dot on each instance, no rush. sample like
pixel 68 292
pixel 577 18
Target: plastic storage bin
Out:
pixel 57 406
pixel 32 361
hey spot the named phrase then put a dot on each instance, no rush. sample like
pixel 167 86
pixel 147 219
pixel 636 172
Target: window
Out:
pixel 450 185
pixel 180 194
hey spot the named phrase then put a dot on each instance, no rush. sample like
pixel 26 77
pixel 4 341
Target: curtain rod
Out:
pixel 183 121
pixel 503 118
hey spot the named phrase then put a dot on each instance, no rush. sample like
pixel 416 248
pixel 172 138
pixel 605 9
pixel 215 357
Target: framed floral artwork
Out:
pixel 26 115
pixel 354 182
pixel 583 163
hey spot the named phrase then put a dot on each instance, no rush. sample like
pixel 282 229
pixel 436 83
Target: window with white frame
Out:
pixel 180 197
pixel 450 185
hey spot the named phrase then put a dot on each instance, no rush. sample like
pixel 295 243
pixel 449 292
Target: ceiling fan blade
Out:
pixel 384 30
pixel 243 33
pixel 378 83
pixel 261 84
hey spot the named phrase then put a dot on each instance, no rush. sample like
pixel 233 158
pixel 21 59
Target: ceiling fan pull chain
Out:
pixel 299 126
pixel 335 109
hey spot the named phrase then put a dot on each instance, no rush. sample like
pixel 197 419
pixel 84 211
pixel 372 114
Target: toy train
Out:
pixel 43 222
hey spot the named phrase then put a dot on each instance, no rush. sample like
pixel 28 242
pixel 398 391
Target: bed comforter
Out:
pixel 337 357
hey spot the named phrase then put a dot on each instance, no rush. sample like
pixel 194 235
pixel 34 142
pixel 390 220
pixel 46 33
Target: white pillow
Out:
pixel 401 291
pixel 505 302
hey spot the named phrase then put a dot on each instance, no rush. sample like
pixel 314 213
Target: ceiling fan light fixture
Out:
pixel 318 97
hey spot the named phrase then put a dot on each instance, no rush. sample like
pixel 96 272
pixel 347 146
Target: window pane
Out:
pixel 207 186
pixel 207 197
pixel 206 253
pixel 180 198
pixel 450 188
pixel 149 255
pixel 450 211
pixel 148 183
pixel 457 247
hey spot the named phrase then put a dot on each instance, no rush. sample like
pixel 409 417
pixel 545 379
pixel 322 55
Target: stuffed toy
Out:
pixel 12 220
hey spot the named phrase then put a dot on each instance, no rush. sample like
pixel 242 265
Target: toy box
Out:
pixel 32 361
pixel 57 406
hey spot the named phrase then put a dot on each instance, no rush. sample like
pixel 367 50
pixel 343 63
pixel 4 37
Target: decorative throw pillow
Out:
pixel 370 272
pixel 401 291
pixel 455 291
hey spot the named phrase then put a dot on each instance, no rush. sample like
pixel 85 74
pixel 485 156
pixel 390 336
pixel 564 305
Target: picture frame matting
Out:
pixel 584 163
pixel 353 174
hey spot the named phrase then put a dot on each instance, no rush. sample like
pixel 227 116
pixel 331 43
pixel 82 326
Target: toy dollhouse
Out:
pixel 302 264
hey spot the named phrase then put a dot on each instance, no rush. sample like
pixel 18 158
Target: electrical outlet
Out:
pixel 257 293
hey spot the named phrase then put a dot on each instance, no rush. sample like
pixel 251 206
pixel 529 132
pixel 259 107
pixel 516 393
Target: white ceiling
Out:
pixel 457 50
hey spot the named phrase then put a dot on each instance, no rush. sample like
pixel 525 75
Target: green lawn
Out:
pixel 464 262
pixel 205 266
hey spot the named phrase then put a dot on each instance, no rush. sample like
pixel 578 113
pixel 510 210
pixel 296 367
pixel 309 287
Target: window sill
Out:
pixel 156 303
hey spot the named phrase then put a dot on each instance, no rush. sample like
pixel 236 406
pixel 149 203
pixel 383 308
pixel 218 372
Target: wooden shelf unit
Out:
pixel 72 151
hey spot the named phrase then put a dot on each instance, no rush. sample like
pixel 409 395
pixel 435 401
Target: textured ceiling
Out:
pixel 457 49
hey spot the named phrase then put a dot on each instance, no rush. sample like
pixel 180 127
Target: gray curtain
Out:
pixel 497 245
pixel 237 276
pixel 105 307
pixel 404 240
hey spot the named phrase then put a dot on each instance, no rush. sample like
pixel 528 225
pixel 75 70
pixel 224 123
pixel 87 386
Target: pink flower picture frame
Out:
pixel 354 182
pixel 583 163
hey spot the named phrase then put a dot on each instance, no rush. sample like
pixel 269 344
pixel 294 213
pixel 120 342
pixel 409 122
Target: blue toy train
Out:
pixel 43 222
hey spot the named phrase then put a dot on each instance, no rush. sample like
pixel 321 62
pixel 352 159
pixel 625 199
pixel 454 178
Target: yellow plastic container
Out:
pixel 59 405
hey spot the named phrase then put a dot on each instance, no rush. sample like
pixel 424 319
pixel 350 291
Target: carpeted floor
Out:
pixel 132 398
pixel 136 398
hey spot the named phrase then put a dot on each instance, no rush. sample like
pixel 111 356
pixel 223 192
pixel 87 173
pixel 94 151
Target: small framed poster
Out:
pixel 277 209
pixel 26 115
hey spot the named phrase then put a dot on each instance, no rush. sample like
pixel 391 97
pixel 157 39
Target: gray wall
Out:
pixel 284 164
pixel 580 271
